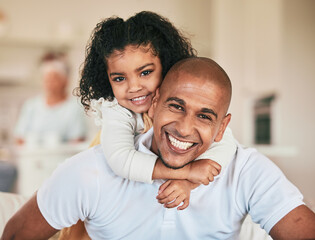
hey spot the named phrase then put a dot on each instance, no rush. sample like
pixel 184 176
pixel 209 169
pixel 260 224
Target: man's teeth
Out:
pixel 138 98
pixel 179 144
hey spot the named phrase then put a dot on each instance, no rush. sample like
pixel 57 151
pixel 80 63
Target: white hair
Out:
pixel 58 66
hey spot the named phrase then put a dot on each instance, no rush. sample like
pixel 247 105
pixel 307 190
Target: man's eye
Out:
pixel 118 79
pixel 146 72
pixel 176 106
pixel 206 117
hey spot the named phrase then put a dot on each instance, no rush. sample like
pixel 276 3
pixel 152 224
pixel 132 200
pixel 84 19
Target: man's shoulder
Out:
pixel 91 157
pixel 250 164
pixel 94 153
pixel 246 154
pixel 249 159
pixel 85 169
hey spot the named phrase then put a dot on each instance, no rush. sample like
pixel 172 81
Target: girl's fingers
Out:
pixel 211 178
pixel 164 186
pixel 184 205
pixel 175 203
pixel 206 181
pixel 172 204
pixel 171 197
pixel 216 165
pixel 166 190
pixel 215 172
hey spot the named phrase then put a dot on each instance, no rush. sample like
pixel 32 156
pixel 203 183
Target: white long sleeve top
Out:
pixel 120 126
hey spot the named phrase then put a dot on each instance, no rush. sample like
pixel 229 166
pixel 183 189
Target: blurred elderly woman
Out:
pixel 53 115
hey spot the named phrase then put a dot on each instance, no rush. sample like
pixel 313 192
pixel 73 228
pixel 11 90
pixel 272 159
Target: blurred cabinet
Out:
pixel 36 164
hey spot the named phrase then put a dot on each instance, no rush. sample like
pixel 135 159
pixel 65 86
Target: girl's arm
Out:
pixel 201 172
pixel 119 127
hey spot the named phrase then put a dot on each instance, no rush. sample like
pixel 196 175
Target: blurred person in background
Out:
pixel 52 116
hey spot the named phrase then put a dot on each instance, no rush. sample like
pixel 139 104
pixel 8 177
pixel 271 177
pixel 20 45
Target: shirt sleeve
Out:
pixel 222 152
pixel 71 193
pixel 119 127
pixel 264 192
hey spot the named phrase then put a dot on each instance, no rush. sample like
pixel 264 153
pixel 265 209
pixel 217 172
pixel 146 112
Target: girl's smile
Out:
pixel 140 100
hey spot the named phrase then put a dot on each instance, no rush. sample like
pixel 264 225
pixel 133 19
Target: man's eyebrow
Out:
pixel 176 99
pixel 208 110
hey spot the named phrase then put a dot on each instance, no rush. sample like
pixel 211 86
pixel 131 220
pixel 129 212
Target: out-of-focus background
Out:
pixel 266 47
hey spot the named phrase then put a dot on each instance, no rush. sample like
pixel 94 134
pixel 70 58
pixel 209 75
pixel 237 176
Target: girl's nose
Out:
pixel 134 85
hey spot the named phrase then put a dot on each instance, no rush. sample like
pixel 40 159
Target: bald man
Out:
pixel 190 108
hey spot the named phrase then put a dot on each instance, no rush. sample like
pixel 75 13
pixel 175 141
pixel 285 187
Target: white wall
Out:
pixel 298 98
pixel 267 47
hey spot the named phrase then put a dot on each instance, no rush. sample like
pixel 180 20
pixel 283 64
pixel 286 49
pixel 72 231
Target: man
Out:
pixel 53 114
pixel 191 107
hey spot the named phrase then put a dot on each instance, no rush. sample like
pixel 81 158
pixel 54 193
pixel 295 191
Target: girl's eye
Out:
pixel 146 72
pixel 118 79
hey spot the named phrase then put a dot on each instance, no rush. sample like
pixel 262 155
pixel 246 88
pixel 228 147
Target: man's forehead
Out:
pixel 193 70
pixel 185 82
pixel 193 94
pixel 182 79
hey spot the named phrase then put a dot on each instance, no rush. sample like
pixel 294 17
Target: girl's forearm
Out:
pixel 160 171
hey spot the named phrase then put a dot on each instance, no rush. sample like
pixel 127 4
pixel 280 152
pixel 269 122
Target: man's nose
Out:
pixel 186 126
pixel 134 84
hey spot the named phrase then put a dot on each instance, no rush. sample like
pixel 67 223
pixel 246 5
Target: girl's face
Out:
pixel 134 75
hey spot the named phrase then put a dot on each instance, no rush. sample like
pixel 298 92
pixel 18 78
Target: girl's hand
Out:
pixel 203 171
pixel 173 192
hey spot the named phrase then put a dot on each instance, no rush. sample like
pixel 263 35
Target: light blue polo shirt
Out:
pixel 84 187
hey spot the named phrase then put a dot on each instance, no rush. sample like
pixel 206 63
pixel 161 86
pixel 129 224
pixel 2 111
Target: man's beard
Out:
pixel 167 165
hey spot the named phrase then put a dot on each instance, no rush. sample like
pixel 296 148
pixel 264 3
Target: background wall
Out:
pixel 267 47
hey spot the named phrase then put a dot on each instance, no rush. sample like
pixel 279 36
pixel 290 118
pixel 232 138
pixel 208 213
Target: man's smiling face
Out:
pixel 188 115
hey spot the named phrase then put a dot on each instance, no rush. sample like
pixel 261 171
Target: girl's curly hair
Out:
pixel 114 33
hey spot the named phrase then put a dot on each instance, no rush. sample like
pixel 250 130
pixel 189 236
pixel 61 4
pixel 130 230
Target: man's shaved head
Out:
pixel 201 67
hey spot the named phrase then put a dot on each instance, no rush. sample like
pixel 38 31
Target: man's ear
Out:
pixel 153 104
pixel 223 126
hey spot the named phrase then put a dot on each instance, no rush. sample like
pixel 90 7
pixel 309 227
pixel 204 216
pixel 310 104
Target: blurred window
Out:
pixel 263 120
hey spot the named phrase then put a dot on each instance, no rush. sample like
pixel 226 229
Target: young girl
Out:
pixel 125 64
